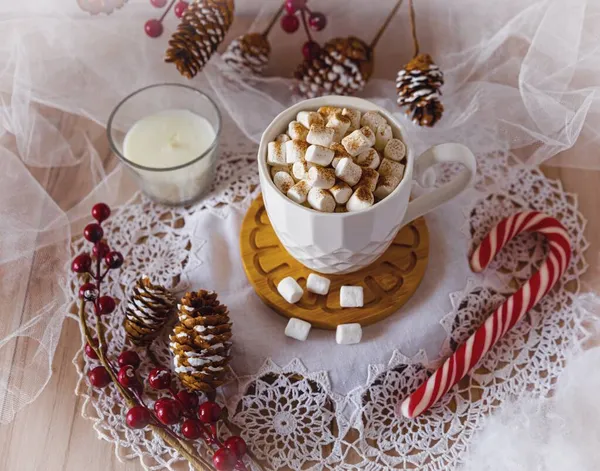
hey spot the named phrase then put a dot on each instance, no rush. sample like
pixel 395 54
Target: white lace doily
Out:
pixel 330 417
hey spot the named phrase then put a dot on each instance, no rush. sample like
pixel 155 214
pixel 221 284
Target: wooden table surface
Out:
pixel 50 434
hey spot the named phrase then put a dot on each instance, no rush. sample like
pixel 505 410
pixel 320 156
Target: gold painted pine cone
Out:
pixel 248 54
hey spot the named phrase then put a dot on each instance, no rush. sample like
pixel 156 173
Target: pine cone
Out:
pixel 342 67
pixel 202 28
pixel 248 54
pixel 200 341
pixel 418 86
pixel 148 310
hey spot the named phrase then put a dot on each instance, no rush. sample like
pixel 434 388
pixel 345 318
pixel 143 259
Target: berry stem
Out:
pixel 305 24
pixel 162 17
pixel 276 16
pixel 386 24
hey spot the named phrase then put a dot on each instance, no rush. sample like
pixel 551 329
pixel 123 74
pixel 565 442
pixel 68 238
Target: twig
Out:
pixel 267 30
pixel 385 24
pixel 413 27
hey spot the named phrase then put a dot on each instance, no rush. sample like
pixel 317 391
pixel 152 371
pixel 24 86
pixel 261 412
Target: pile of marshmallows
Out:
pixel 350 296
pixel 337 159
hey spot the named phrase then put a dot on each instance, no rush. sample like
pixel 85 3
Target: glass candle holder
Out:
pixel 167 135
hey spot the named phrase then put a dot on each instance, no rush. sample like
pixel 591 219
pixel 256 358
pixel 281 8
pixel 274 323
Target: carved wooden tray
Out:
pixel 388 283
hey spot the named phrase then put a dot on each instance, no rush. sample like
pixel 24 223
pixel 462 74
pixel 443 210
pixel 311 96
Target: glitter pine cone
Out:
pixel 248 54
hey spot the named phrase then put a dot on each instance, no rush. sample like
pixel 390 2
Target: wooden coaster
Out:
pixel 388 283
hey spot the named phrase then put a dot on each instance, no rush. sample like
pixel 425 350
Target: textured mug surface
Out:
pixel 337 243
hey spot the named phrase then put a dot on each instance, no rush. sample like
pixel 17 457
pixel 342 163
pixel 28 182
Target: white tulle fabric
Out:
pixel 520 80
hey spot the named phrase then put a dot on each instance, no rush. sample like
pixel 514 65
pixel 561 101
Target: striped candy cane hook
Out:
pixel 508 314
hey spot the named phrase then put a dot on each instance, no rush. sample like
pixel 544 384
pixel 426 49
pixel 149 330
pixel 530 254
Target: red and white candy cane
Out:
pixel 508 314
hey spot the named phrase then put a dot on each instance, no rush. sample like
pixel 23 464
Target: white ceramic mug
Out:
pixel 336 243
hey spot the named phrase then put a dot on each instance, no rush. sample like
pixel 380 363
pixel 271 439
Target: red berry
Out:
pixel 159 378
pixel 237 445
pixel 100 249
pixel 158 3
pixel 317 21
pixel 82 263
pixel 168 411
pixel 89 351
pixel 113 259
pixel 224 459
pixel 310 50
pixel 106 305
pixel 153 28
pixel 292 6
pixel 100 212
pixel 138 417
pixel 129 357
pixel 93 232
pixel 180 8
pixel 127 376
pixel 88 291
pixel 209 412
pixel 290 23
pixel 188 399
pixel 191 429
pixel 99 377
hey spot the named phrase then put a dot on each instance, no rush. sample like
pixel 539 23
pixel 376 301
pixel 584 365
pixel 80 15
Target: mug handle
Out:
pixel 435 155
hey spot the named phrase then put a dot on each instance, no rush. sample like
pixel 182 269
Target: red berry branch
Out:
pixel 154 27
pixel 198 421
pixel 313 20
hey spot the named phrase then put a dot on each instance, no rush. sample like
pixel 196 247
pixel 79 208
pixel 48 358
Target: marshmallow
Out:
pixel 317 284
pixel 369 179
pixel 389 167
pixel 279 168
pixel 385 186
pixel 321 200
pixel 348 334
pixel 283 181
pixel 341 192
pixel 308 118
pixel 361 199
pixel 320 135
pixel 321 177
pixel 372 119
pixel 369 158
pixel 354 116
pixel 276 153
pixel 299 192
pixel 319 155
pixel 356 142
pixel 282 138
pixel 339 154
pixel 300 170
pixel 290 290
pixel 369 134
pixel 348 171
pixel 328 111
pixel 394 150
pixel 297 329
pixel 382 136
pixel 340 208
pixel 297 131
pixel 340 124
pixel 295 150
pixel 351 296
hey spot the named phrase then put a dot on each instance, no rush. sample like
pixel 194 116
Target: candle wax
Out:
pixel 168 139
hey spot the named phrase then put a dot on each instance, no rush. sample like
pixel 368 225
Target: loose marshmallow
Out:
pixel 276 153
pixel 369 179
pixel 369 158
pixel 283 181
pixel 290 290
pixel 328 111
pixel 369 134
pixel 341 192
pixel 297 329
pixel 308 118
pixel 382 136
pixel 282 138
pixel 361 199
pixel 320 135
pixel 351 296
pixel 354 116
pixel 295 151
pixel 279 168
pixel 348 334
pixel 385 186
pixel 348 171
pixel 321 200
pixel 356 142
pixel 317 284
pixel 394 150
pixel 340 124
pixel 321 177
pixel 319 155
pixel 300 170
pixel 372 119
pixel 339 154
pixel 389 167
pixel 297 131
pixel 299 192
